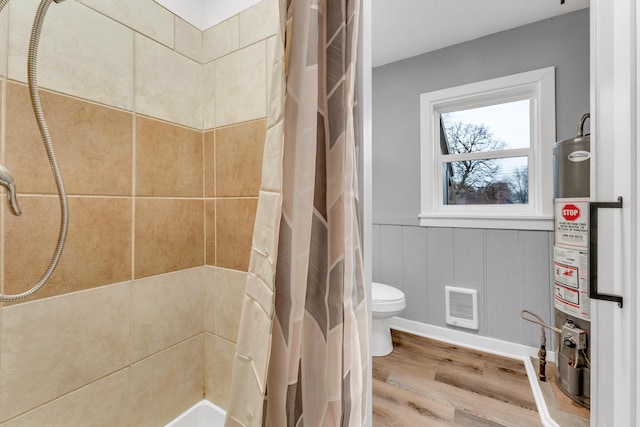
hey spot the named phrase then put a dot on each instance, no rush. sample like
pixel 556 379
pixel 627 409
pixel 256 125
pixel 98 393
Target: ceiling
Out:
pixel 204 14
pixel 406 28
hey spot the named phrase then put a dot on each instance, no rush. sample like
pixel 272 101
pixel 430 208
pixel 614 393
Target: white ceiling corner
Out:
pixel 204 14
pixel 406 28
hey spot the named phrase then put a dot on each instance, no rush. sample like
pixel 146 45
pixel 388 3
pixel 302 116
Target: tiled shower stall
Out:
pixel 159 131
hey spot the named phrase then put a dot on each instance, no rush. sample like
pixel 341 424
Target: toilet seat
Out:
pixel 386 298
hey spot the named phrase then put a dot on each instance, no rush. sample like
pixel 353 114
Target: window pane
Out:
pixel 489 128
pixel 486 182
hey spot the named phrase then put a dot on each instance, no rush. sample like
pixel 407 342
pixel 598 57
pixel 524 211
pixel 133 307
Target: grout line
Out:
pixel 133 197
pixel 215 232
pixel 204 165
pixel 134 140
pixel 205 283
pixel 3 204
pixel 204 201
pixel 215 197
pixel 201 52
pixel 173 40
pixel 129 344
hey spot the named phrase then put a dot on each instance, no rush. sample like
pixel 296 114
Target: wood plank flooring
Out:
pixel 430 383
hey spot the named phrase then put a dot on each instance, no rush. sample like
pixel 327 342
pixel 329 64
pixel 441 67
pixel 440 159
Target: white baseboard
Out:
pixel 487 345
pixel 543 411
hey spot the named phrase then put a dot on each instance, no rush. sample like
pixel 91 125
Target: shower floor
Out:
pixel 431 383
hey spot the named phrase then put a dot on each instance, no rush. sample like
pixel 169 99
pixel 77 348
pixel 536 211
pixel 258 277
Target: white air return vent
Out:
pixel 461 307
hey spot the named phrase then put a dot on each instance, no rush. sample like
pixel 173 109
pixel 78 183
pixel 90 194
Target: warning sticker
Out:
pixel 561 297
pixel 572 223
pixel 566 275
pixel 571 282
pixel 567 295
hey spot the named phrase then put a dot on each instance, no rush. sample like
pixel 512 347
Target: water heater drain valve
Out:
pixel 574 337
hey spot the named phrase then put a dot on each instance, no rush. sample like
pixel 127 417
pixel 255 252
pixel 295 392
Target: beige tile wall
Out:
pixel 56 345
pixel 144 16
pixel 165 310
pixel 138 345
pixel 167 383
pixel 168 84
pixel 188 40
pixel 209 163
pixel 169 235
pixel 234 230
pixel 97 251
pixel 94 145
pixel 209 95
pixel 218 368
pixel 241 85
pixel 82 52
pixel 238 162
pixel 221 39
pixel 104 403
pixel 223 302
pixel 169 159
pixel 258 22
pixel 4 16
pixel 159 130
pixel 137 191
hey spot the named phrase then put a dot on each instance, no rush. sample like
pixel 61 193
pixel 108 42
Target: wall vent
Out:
pixel 462 307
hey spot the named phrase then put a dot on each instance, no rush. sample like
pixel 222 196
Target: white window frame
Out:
pixel 539 87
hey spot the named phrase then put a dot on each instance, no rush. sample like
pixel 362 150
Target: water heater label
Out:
pixel 571 282
pixel 566 275
pixel 572 223
pixel 570 296
pixel 579 156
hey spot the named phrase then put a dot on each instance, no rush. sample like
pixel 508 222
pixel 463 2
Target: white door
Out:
pixel 615 118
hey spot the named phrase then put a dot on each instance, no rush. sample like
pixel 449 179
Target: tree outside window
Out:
pixel 481 176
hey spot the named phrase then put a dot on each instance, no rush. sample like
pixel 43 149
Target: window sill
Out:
pixel 544 223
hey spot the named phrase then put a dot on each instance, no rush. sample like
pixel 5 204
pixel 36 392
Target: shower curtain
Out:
pixel 302 351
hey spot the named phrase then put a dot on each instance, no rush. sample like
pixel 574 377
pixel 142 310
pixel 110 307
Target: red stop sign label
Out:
pixel 570 212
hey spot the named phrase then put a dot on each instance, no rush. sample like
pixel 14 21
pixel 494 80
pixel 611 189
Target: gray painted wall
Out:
pixel 509 268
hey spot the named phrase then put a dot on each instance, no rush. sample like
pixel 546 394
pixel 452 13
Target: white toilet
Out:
pixel 387 302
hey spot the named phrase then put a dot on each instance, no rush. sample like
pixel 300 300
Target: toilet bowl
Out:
pixel 387 302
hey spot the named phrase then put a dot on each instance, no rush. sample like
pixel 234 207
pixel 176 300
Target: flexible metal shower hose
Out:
pixel 48 145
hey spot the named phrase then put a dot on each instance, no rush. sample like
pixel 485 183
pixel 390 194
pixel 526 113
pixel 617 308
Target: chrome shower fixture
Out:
pixel 7 181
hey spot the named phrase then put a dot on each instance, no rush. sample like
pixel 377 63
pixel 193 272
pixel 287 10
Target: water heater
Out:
pixel 571 253
pixel 575 263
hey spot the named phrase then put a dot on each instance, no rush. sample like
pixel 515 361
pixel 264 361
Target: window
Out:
pixel 486 153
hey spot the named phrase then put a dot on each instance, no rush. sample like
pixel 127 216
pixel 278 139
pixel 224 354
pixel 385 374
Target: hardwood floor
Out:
pixel 430 383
